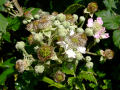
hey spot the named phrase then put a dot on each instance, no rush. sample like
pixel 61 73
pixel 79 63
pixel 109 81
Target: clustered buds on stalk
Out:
pixel 60 37
pixel 89 64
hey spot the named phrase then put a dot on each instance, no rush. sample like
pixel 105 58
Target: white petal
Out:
pixel 70 53
pixel 72 32
pixel 82 50
pixel 63 44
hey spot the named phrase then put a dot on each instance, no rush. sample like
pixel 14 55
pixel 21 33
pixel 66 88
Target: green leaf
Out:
pixel 14 23
pixel 71 81
pixel 8 63
pixel 52 83
pixel 111 21
pixel 4 75
pixel 3 24
pixel 92 85
pixel 109 4
pixel 68 68
pixel 73 8
pixel 107 84
pixel 8 71
pixel 2 8
pixel 87 76
pixel 116 38
pixel 77 1
pixel 6 36
pixel 81 86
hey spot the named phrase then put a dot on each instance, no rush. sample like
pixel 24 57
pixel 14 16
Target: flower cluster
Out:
pixel 96 29
pixel 57 38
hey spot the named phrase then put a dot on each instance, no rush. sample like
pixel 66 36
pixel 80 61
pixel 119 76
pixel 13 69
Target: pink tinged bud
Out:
pixel 104 36
pixel 90 22
pixel 99 20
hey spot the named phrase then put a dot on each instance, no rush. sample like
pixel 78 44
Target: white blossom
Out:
pixel 82 50
pixel 70 53
pixel 39 68
pixel 72 32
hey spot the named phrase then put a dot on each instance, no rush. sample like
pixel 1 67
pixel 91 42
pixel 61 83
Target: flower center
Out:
pixel 96 27
pixel 74 40
pixel 45 51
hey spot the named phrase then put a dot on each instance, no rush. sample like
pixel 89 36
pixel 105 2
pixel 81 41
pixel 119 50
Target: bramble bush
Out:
pixel 59 44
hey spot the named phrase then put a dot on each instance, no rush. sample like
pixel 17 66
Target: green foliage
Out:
pixel 116 38
pixel 68 68
pixel 14 23
pixel 107 84
pixel 3 24
pixel 9 69
pixel 87 76
pixel 6 36
pixel 73 8
pixel 71 81
pixel 52 83
pixel 109 4
pixel 2 5
pixel 112 21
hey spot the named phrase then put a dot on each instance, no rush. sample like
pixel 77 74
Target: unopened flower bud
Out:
pixel 57 23
pixel 75 17
pixel 82 18
pixel 61 17
pixel 38 37
pixel 89 64
pixel 36 16
pixel 61 27
pixel 73 27
pixel 28 15
pixel 66 24
pixel 59 76
pixel 62 32
pixel 20 45
pixel 39 68
pixel 25 21
pixel 79 56
pixel 80 30
pixel 88 58
pixel 29 20
pixel 52 18
pixel 97 40
pixel 89 31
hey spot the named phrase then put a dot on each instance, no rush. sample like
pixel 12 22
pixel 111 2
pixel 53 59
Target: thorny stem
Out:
pixel 20 10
